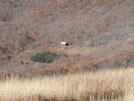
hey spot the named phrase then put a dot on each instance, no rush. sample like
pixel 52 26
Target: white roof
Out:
pixel 63 42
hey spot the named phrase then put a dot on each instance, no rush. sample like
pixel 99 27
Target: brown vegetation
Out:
pixel 29 26
pixel 106 85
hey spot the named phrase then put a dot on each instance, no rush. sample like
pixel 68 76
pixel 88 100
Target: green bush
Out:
pixel 21 62
pixel 45 57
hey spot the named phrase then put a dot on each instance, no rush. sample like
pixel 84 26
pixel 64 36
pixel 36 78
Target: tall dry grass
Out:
pixel 106 85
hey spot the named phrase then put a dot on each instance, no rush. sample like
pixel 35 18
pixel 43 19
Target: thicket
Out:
pixel 46 57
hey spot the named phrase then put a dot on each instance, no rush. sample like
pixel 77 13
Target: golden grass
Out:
pixel 106 85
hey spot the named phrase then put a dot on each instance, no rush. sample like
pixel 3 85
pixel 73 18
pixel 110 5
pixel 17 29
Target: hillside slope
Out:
pixel 108 24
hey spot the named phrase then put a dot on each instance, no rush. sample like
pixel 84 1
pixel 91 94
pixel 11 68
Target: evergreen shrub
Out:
pixel 46 57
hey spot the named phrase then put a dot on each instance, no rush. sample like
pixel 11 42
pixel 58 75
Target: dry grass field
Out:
pixel 100 34
pixel 104 85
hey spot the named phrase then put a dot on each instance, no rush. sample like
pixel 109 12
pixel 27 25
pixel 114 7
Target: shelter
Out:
pixel 64 43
